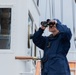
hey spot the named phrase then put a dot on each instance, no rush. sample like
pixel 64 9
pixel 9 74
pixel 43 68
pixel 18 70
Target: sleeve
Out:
pixel 64 31
pixel 38 39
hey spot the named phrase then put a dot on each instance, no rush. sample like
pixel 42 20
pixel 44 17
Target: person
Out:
pixel 55 47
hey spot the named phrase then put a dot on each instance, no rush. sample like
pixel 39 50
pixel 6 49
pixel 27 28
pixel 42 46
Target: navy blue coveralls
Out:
pixel 55 49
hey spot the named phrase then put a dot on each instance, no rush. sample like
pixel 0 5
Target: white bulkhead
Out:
pixel 18 19
pixel 19 11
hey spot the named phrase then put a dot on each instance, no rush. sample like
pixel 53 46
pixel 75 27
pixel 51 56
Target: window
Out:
pixel 37 2
pixel 30 31
pixel 5 22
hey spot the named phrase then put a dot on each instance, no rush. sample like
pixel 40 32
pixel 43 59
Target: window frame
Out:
pixel 8 51
pixel 31 29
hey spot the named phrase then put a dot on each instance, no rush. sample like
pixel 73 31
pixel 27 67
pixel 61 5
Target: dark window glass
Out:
pixel 5 22
pixel 37 2
pixel 30 25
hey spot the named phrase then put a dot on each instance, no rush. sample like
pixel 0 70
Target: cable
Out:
pixel 50 9
pixel 61 4
pixel 46 10
pixel 53 8
pixel 73 10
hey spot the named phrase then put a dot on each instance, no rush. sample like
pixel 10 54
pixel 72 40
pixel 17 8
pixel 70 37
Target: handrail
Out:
pixel 26 57
pixel 38 64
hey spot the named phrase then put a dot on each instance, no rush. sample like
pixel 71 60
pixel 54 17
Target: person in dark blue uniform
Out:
pixel 55 46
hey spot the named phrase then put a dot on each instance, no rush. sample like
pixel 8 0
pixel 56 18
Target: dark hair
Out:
pixel 48 20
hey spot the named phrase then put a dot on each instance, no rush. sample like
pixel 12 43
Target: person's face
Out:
pixel 52 28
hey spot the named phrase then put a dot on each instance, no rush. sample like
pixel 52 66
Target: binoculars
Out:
pixel 48 23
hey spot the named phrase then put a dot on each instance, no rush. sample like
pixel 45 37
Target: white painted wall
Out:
pixel 19 31
pixel 19 35
pixel 8 62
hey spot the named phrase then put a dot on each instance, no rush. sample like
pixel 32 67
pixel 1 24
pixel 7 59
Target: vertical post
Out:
pixel 38 68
